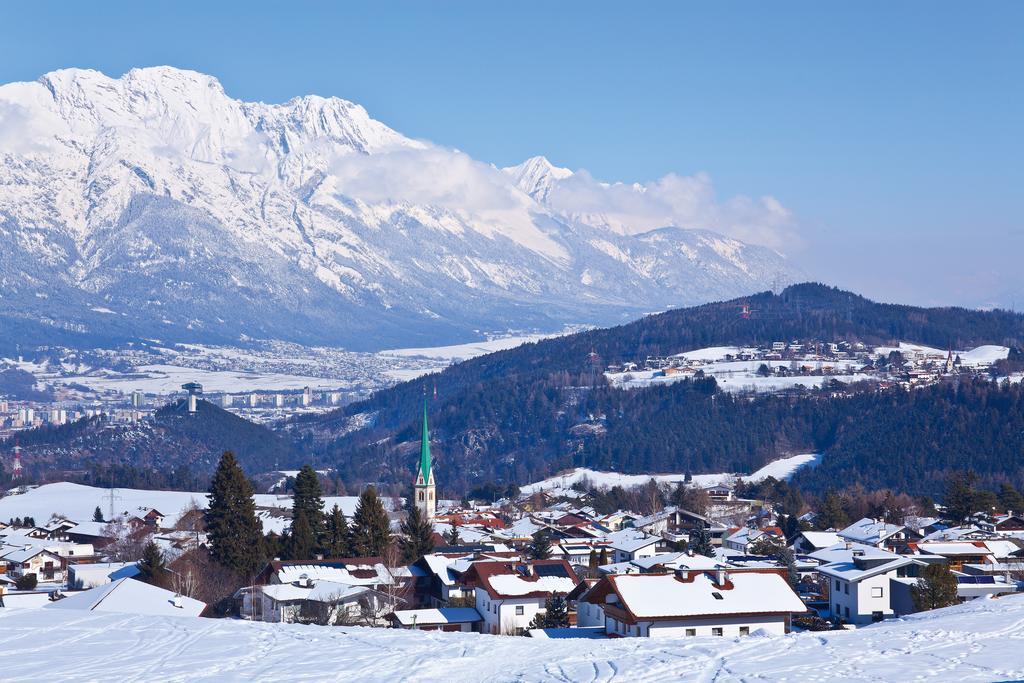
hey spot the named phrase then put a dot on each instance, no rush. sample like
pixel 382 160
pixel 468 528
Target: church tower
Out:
pixel 423 489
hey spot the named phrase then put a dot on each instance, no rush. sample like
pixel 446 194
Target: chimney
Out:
pixel 721 576
pixel 177 602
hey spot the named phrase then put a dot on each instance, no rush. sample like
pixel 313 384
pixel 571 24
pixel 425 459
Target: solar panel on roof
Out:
pixel 550 570
pixel 976 579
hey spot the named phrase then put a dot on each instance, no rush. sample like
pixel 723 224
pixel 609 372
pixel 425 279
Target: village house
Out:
pixel 810 541
pixel 45 564
pixel 877 533
pixel 631 544
pixel 859 581
pixel 695 603
pixel 742 539
pixel 510 594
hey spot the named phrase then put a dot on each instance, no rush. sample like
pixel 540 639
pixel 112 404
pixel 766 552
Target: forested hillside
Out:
pixel 522 414
pixel 175 450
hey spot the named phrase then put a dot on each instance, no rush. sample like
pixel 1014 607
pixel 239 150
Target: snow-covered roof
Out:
pixel 678 561
pixel 666 595
pixel 954 533
pixel 291 573
pixel 319 591
pixel 821 539
pixel 841 553
pixel 443 615
pixel 132 597
pixel 870 531
pixel 516 585
pixel 850 571
pixel 630 540
pixel 25 554
pixel 440 566
pixel 953 549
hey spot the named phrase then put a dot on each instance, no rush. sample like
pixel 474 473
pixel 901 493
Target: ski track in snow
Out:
pixel 978 641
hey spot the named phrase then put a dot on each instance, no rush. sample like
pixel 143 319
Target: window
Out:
pixel 837 584
pixel 691 631
pixel 744 630
pixel 717 596
pixel 847 610
pixel 877 592
pixel 421 495
pixel 519 610
pixel 716 631
pixel 838 610
pixel 846 588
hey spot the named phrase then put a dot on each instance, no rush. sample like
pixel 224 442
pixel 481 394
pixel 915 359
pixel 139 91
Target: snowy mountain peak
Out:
pixel 536 175
pixel 195 216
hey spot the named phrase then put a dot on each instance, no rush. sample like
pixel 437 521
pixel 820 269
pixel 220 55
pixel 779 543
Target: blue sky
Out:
pixel 893 132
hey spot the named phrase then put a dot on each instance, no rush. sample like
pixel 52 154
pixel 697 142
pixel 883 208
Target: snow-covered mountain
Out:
pixel 155 206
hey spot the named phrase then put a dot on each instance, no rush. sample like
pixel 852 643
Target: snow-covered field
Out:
pixel 783 468
pixel 980 356
pixel 460 352
pixel 978 641
pixel 77 502
pixel 167 379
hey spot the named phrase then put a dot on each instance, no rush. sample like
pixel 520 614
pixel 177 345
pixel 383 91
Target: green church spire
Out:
pixel 425 466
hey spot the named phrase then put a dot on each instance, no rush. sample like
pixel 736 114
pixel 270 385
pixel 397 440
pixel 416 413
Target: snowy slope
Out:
pixel 783 468
pixel 155 205
pixel 979 641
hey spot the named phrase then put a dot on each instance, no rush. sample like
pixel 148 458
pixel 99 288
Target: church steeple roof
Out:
pixel 426 471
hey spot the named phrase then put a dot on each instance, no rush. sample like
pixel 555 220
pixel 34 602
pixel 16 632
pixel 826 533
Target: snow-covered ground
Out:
pixel 167 379
pixel 459 352
pixel 981 356
pixel 978 641
pixel 77 502
pixel 783 468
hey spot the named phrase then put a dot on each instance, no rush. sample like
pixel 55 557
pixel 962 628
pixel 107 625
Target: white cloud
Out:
pixel 449 179
pixel 20 133
pixel 673 200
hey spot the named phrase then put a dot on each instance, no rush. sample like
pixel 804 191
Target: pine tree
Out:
pixel 540 547
pixel 960 495
pixel 371 529
pixel 272 545
pixel 452 537
pixel 593 562
pixel 417 536
pixel 936 588
pixel 786 557
pixel 301 541
pixel 557 612
pixel 97 514
pixel 700 543
pixel 832 515
pixel 1010 499
pixel 308 499
pixel 336 534
pixel 152 568
pixel 235 533
pixel 602 558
